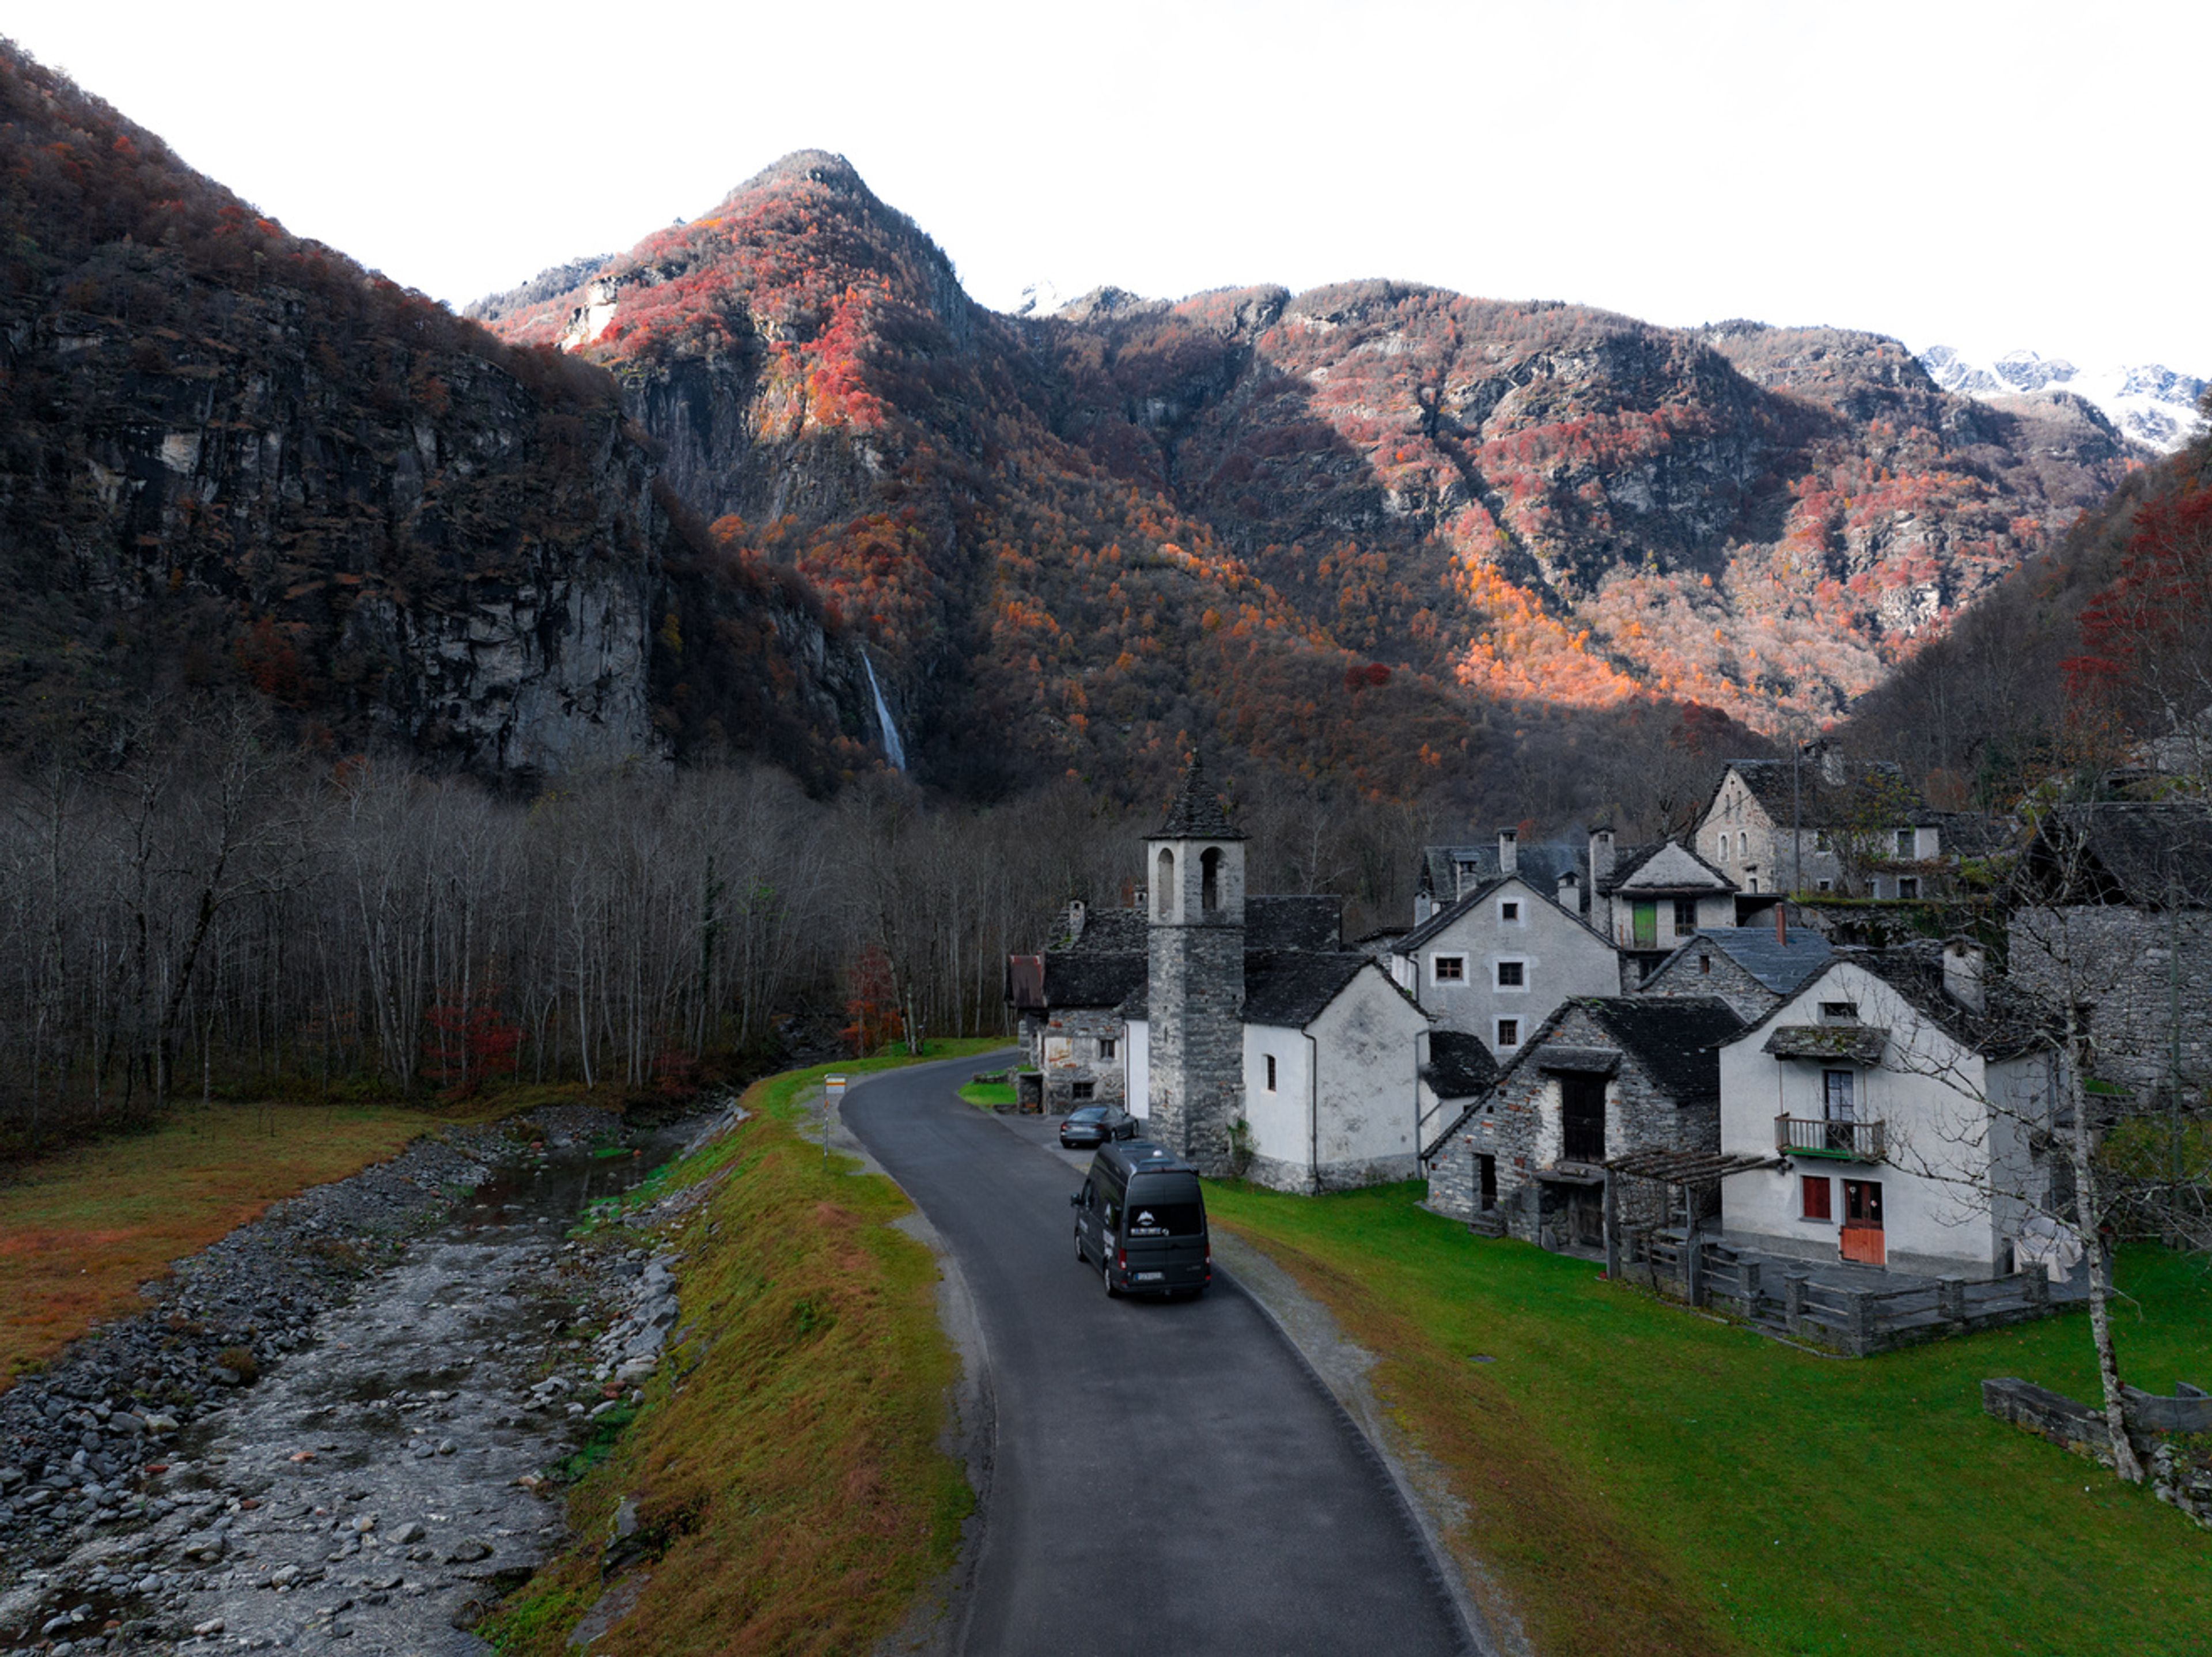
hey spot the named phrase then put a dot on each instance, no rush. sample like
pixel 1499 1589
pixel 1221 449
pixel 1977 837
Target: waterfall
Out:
pixel 894 750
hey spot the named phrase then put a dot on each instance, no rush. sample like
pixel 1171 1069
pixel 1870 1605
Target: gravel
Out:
pixel 416 1339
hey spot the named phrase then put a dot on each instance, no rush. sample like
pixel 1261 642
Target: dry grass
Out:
pixel 80 1232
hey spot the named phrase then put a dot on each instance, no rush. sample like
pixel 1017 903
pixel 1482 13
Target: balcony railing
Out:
pixel 1847 1142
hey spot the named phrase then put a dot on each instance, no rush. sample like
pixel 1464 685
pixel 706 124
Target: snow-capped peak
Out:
pixel 1038 298
pixel 2151 402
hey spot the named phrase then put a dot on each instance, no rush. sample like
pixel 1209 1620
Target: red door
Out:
pixel 1861 1239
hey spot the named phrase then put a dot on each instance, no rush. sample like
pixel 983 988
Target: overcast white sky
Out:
pixel 1985 175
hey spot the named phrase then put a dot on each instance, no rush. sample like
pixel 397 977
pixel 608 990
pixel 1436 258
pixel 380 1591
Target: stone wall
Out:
pixel 1279 1175
pixel 1196 1011
pixel 1747 998
pixel 1067 1052
pixel 2137 969
pixel 1520 1126
pixel 2180 1473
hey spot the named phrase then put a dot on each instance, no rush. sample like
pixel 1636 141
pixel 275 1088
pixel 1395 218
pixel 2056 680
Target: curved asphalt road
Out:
pixel 1169 1478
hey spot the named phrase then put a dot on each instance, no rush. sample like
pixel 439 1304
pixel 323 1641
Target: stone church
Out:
pixel 1252 1041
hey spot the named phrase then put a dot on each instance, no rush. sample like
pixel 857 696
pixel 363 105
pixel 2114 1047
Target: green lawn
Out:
pixel 991 1095
pixel 1641 1479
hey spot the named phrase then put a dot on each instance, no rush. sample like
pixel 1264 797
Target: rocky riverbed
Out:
pixel 333 1429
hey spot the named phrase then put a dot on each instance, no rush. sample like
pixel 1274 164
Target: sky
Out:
pixel 1988 176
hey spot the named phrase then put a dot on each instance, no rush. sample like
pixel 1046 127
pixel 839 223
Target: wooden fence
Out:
pixel 1854 1321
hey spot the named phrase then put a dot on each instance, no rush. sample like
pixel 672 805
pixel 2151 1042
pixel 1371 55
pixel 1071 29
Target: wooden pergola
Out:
pixel 1678 1169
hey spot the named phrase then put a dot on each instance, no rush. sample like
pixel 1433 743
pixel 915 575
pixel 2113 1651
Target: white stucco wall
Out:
pixel 1277 1117
pixel 1561 957
pixel 1138 1034
pixel 1367 1046
pixel 1929 1092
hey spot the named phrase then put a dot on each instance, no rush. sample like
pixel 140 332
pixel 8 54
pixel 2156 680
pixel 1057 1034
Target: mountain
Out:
pixel 1238 514
pixel 232 460
pixel 2150 404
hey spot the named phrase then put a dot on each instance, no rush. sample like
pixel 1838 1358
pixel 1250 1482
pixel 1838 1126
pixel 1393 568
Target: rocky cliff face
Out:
pixel 1106 528
pixel 230 457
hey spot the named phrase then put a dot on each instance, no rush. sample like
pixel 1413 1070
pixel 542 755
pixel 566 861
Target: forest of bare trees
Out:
pixel 202 912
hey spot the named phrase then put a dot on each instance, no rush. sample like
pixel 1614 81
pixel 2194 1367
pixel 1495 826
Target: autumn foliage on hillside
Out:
pixel 1098 535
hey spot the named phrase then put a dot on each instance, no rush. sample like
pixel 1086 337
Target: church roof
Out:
pixel 1293 920
pixel 1195 814
pixel 1290 988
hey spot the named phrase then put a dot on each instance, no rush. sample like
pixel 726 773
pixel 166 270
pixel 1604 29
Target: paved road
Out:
pixel 1169 1478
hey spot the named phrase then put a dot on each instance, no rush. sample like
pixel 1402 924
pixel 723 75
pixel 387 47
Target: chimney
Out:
pixel 1077 913
pixel 1569 895
pixel 1600 855
pixel 1781 923
pixel 1509 850
pixel 1962 974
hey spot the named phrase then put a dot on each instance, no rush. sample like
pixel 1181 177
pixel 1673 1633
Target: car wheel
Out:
pixel 1106 1275
pixel 1080 1254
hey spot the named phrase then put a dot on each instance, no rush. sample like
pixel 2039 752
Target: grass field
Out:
pixel 792 1496
pixel 1642 1480
pixel 81 1231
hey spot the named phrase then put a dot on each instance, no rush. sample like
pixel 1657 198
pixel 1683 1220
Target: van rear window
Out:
pixel 1164 1220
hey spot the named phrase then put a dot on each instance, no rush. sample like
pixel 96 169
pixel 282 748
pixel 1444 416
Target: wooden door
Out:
pixel 1861 1235
pixel 1486 1172
pixel 1646 925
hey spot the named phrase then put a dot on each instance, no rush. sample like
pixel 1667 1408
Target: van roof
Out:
pixel 1143 1157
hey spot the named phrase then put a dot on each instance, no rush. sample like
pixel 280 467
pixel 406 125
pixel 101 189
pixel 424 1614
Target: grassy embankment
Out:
pixel 1641 1480
pixel 990 1095
pixel 785 1469
pixel 81 1230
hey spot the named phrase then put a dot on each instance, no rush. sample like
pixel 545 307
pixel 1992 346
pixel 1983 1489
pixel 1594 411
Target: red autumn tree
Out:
pixel 871 1003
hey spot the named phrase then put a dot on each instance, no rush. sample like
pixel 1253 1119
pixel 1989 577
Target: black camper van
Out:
pixel 1141 1218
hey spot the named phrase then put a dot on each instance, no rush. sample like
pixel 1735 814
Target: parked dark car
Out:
pixel 1141 1216
pixel 1097 1124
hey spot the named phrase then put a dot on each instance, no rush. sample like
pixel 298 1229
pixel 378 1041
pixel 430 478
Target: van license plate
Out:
pixel 1150 1276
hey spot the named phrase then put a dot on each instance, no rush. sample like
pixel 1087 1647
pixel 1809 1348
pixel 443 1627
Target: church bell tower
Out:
pixel 1195 871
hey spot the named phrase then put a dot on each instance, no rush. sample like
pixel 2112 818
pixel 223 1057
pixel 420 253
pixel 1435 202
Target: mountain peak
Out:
pixel 812 166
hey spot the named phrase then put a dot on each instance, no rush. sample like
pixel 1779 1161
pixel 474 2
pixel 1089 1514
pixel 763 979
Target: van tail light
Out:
pixel 1121 1259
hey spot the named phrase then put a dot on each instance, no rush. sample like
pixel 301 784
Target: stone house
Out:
pixel 1604 1076
pixel 1751 968
pixel 1459 1070
pixel 2118 920
pixel 1902 1107
pixel 1065 1002
pixel 1862 829
pixel 1496 961
pixel 1654 898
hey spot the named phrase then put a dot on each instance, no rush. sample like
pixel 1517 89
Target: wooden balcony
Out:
pixel 1847 1141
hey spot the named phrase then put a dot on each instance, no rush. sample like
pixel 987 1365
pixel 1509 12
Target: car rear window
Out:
pixel 1165 1207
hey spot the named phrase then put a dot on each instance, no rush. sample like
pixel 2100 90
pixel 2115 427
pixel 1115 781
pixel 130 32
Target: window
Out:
pixel 1080 1090
pixel 1705 967
pixel 1836 1095
pixel 1509 910
pixel 1271 1072
pixel 1448 969
pixel 1509 1033
pixel 1819 839
pixel 1722 850
pixel 1743 845
pixel 1817 1197
pixel 1164 886
pixel 1828 886
pixel 1686 915
pixel 1209 879
pixel 1908 886
pixel 1512 974
pixel 1839 1011
pixel 1754 883
pixel 1107 1047
pixel 1905 843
